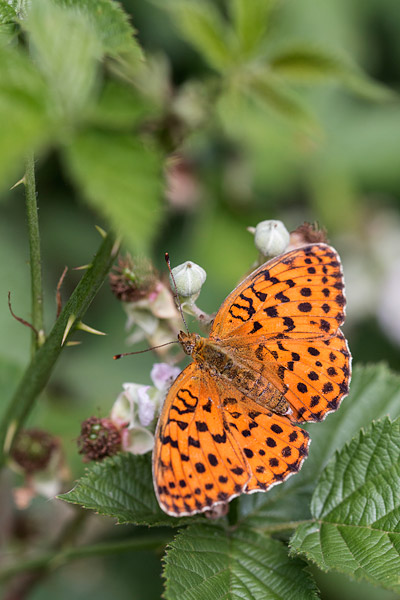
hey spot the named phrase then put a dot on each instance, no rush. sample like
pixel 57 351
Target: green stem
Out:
pixel 34 251
pixel 51 560
pixel 287 526
pixel 42 363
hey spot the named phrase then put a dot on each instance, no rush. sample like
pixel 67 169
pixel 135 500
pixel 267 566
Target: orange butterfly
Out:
pixel 275 356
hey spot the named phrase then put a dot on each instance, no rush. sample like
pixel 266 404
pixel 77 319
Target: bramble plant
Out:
pixel 75 81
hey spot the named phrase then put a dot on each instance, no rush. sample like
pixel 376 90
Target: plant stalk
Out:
pixel 52 560
pixel 38 371
pixel 34 252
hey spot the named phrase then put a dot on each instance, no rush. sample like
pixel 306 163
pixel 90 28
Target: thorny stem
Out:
pixel 51 560
pixel 34 251
pixel 38 372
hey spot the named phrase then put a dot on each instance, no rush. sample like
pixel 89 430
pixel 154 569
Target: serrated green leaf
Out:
pixel 356 507
pixel 374 393
pixel 112 28
pixel 120 177
pixel 23 112
pixel 308 64
pixel 250 21
pixel 66 50
pixel 122 487
pixel 206 561
pixel 203 27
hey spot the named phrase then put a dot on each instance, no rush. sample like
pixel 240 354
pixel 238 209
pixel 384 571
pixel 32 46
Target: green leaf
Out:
pixel 374 393
pixel 20 7
pixel 121 178
pixel 122 487
pixel 250 20
pixel 7 13
pixel 356 507
pixel 111 25
pixel 119 106
pixel 25 123
pixel 308 64
pixel 274 94
pixel 206 561
pixel 66 50
pixel 202 26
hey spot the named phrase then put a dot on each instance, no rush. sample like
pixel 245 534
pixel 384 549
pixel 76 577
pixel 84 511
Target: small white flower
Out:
pixel 138 406
pixel 163 374
pixel 138 440
pixel 270 237
pixel 147 404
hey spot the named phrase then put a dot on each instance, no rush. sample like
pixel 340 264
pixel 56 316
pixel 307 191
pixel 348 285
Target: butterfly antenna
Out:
pixel 175 292
pixel 117 356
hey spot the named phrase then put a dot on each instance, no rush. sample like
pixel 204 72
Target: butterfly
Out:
pixel 275 357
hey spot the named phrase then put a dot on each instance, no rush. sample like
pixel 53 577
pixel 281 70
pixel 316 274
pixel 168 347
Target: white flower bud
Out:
pixel 189 279
pixel 271 237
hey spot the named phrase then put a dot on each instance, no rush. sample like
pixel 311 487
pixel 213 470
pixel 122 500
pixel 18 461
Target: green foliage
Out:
pixel 110 24
pixel 356 511
pixel 214 562
pixel 122 487
pixel 66 50
pixel 202 25
pixel 56 96
pixel 121 178
pixel 7 13
pixel 23 102
pixel 250 22
pixel 307 64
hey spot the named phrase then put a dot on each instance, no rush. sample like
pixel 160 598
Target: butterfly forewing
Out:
pixel 196 462
pixel 297 295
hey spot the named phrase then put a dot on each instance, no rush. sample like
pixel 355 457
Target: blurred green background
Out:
pixel 243 165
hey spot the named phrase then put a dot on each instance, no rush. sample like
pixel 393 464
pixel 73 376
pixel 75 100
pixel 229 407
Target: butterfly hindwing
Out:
pixel 313 375
pixel 273 447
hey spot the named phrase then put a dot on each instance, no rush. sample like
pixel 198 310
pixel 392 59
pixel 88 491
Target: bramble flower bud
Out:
pixel 132 281
pixel 147 301
pixel 189 279
pixel 33 449
pixel 38 456
pixel 308 233
pixel 270 237
pixel 99 438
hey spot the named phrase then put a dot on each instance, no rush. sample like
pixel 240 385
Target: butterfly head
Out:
pixel 189 341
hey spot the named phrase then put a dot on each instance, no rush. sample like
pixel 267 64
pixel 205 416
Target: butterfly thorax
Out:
pixel 219 361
